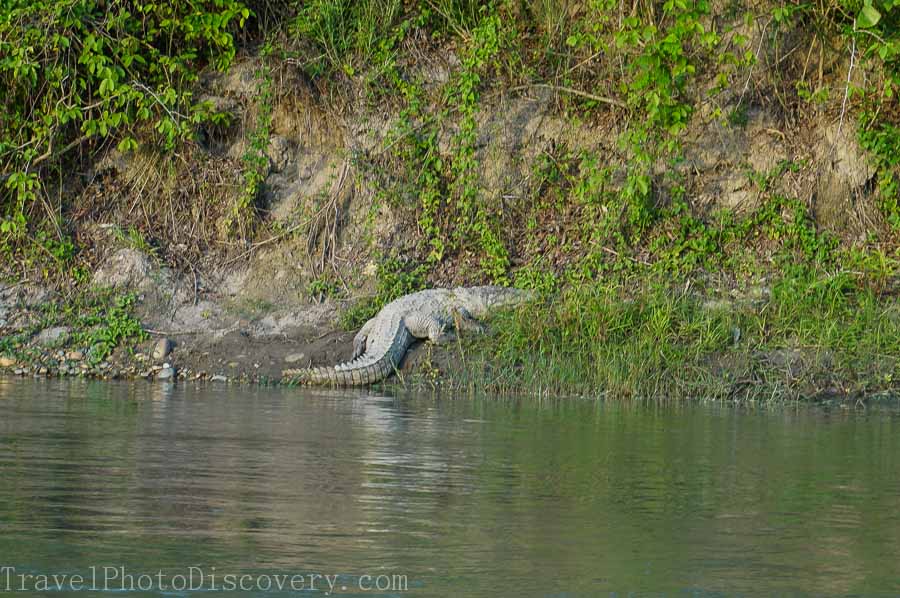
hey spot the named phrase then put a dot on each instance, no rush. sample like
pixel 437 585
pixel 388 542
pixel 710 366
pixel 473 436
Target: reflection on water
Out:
pixel 462 497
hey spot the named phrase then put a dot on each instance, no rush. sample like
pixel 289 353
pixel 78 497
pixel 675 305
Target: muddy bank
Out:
pixel 188 333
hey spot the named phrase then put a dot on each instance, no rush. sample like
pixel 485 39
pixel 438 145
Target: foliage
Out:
pixel 394 278
pixel 256 161
pixel 321 287
pixel 883 142
pixel 346 35
pixel 77 72
pixel 100 321
pixel 451 212
pixel 472 220
pixel 660 57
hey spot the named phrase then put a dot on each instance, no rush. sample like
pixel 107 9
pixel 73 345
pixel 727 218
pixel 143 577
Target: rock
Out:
pixel 218 378
pixel 843 176
pixel 74 355
pixel 166 373
pixel 130 269
pixel 278 152
pixel 52 336
pixel 295 357
pixel 7 362
pixel 162 349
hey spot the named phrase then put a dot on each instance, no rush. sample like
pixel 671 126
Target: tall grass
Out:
pixel 811 336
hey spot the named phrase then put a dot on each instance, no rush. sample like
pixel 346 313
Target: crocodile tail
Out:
pixel 346 374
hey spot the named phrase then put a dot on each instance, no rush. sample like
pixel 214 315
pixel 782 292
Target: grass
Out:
pixel 621 253
pixel 807 335
pixel 99 322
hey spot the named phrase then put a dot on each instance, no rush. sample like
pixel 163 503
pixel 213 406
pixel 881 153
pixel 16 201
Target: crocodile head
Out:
pixel 480 301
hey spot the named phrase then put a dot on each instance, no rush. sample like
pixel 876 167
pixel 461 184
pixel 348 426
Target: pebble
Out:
pixel 295 357
pixel 166 373
pixel 49 336
pixel 162 348
pixel 74 355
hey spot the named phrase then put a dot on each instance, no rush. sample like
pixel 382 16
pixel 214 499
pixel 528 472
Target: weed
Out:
pixel 347 35
pixel 100 321
pixel 812 336
pixel 394 278
pixel 256 162
pixel 322 287
pixel 883 142
pixel 78 73
pixel 134 239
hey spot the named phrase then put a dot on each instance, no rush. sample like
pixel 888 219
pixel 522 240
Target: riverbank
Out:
pixel 704 195
pixel 796 334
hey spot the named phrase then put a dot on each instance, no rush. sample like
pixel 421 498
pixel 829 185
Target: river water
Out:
pixel 152 490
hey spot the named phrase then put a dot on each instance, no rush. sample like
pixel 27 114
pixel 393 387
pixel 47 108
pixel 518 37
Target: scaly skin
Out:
pixel 381 343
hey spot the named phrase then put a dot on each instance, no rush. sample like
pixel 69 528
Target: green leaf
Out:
pixel 127 144
pixel 868 17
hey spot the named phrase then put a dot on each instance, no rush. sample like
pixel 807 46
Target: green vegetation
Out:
pixel 77 73
pixel 883 141
pixel 256 163
pixel 98 322
pixel 395 278
pixel 761 306
pixel 805 333
pixel 625 259
pixel 343 36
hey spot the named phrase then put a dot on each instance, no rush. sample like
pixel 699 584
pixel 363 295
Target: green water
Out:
pixel 436 497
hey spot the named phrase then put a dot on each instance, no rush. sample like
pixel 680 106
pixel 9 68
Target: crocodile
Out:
pixel 433 314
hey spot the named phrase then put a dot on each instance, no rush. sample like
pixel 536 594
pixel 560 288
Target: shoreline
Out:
pixel 692 347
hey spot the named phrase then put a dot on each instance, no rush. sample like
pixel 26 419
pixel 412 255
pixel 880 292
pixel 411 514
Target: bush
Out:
pixel 78 72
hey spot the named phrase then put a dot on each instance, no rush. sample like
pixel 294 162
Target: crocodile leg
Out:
pixel 464 322
pixel 422 325
pixel 361 338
